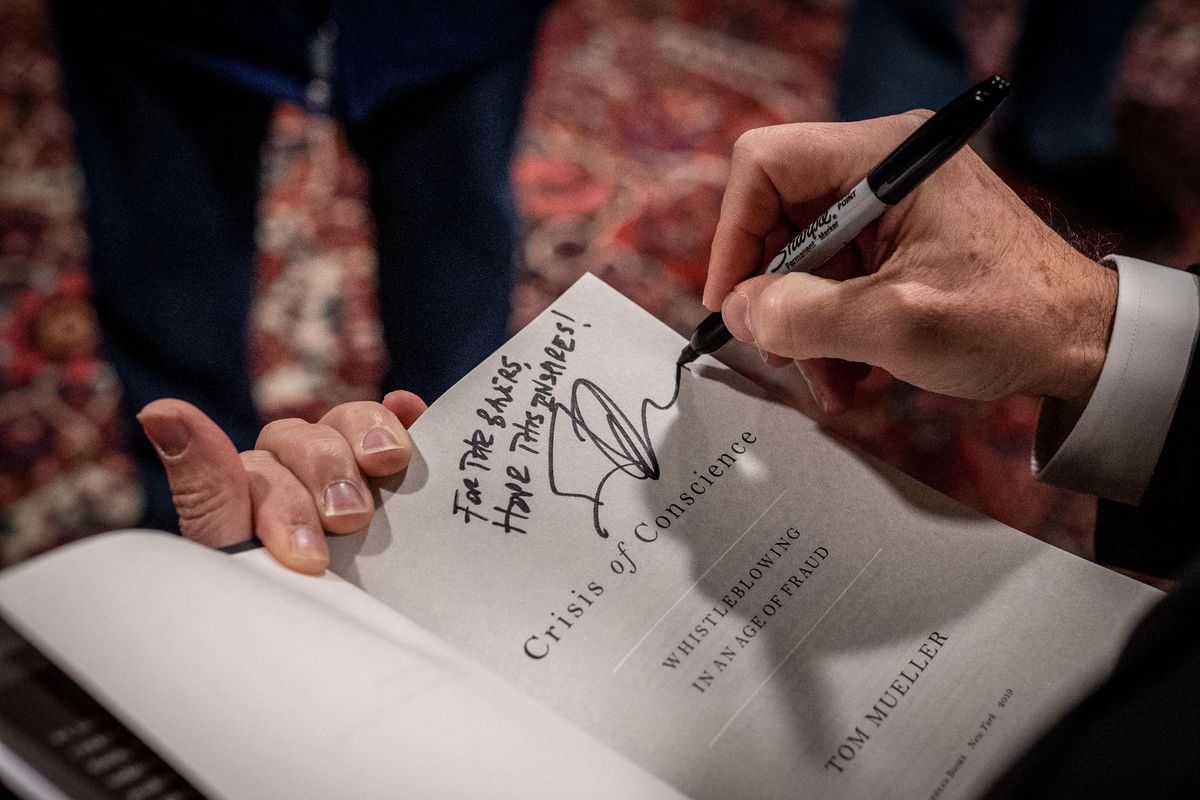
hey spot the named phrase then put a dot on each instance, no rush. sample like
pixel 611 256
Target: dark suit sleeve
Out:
pixel 1136 735
pixel 1161 534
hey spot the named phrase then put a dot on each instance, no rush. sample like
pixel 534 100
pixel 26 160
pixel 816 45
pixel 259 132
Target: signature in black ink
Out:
pixel 596 418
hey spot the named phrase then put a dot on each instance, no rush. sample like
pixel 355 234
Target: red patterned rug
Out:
pixel 629 125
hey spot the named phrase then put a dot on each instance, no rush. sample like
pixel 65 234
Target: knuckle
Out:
pixel 749 144
pixel 257 458
pixel 904 124
pixel 277 494
pixel 196 501
pixel 321 434
pixel 352 410
pixel 273 429
pixel 314 437
pixel 326 448
pixel 920 324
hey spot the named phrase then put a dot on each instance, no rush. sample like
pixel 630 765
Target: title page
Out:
pixel 704 580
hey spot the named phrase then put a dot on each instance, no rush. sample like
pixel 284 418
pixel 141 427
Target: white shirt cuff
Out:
pixel 1112 448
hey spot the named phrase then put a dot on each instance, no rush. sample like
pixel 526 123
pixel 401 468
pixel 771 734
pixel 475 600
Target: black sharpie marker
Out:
pixel 930 145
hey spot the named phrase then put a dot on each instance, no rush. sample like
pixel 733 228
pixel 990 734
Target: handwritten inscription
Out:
pixel 528 433
pixel 497 473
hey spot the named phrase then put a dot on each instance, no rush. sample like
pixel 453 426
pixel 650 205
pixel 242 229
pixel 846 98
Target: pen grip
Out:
pixel 829 233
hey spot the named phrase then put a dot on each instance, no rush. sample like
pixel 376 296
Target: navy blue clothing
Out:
pixel 380 48
pixel 172 103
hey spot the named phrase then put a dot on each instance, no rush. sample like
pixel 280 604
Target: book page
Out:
pixel 719 590
pixel 256 682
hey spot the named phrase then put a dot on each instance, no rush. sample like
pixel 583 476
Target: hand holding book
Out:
pixel 301 479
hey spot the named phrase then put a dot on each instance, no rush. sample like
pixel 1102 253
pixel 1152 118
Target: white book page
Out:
pixel 256 682
pixel 707 582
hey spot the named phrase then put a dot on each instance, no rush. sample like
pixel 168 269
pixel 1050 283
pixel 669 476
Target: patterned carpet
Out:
pixel 629 124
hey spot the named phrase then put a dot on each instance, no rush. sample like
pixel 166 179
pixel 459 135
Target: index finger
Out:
pixel 783 166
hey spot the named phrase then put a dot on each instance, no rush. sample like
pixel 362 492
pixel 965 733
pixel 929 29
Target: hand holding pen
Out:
pixel 958 288
pixel 889 182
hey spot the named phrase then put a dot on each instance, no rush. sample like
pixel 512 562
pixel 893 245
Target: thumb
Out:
pixel 803 316
pixel 208 482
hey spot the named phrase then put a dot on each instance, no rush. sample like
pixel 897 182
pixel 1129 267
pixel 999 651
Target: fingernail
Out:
pixel 343 497
pixel 378 440
pixel 736 313
pixel 766 358
pixel 167 433
pixel 307 542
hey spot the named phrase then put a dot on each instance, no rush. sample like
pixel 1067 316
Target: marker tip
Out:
pixel 687 356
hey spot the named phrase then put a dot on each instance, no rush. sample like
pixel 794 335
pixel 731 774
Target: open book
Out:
pixel 600 576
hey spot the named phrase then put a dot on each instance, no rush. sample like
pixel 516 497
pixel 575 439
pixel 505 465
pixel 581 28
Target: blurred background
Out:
pixel 629 121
